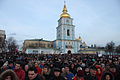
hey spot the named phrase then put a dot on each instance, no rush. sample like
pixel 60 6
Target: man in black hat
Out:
pixel 57 75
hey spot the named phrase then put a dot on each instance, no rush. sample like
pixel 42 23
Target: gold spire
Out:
pixel 65 14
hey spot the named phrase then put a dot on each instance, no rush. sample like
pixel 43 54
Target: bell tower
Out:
pixel 65 29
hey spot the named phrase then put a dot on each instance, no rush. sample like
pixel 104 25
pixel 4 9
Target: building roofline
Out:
pixel 37 40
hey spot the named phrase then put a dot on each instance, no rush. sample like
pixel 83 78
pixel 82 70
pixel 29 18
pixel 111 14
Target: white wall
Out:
pixel 41 50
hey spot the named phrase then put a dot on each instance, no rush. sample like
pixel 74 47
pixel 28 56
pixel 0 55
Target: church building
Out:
pixel 65 41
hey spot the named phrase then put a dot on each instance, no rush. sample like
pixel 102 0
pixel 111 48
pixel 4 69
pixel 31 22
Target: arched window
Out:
pixel 68 32
pixel 80 46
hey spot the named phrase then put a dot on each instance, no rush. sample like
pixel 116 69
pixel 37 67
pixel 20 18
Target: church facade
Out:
pixel 65 38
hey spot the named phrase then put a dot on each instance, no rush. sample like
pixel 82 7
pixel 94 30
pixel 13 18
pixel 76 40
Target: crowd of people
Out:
pixel 21 66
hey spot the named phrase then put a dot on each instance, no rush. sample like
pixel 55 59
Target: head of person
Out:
pixel 36 64
pixel 8 75
pixel 79 68
pixel 11 64
pixel 32 73
pixel 72 65
pixel 51 65
pixel 67 69
pixel 26 67
pixel 93 70
pixel 86 69
pixel 63 70
pixel 57 72
pixel 107 76
pixel 45 69
pixel 99 69
pixel 110 61
pixel 80 73
pixel 17 65
pixel 113 68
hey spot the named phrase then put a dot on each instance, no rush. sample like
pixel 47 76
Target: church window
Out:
pixel 35 51
pixel 80 46
pixel 68 32
pixel 59 35
pixel 67 21
pixel 51 45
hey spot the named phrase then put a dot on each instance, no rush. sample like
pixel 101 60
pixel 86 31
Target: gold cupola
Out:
pixel 65 14
pixel 79 39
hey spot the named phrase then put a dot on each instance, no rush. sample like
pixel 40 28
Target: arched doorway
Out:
pixel 69 52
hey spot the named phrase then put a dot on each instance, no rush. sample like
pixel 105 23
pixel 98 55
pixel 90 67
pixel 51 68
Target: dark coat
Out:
pixel 57 78
pixel 90 77
pixel 38 77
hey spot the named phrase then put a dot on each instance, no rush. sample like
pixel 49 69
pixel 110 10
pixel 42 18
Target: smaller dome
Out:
pixel 79 39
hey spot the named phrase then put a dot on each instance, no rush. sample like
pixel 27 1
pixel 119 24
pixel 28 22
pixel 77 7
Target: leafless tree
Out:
pixel 12 44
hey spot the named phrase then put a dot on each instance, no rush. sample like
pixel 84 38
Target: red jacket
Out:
pixel 20 73
pixel 99 76
pixel 39 70
pixel 76 78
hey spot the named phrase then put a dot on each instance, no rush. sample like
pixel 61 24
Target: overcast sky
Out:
pixel 96 21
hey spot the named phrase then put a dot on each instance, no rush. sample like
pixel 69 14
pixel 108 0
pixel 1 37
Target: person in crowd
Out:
pixel 107 76
pixel 73 68
pixel 92 75
pixel 67 63
pixel 4 67
pixel 33 75
pixel 8 75
pixel 99 72
pixel 57 75
pixel 80 75
pixel 39 70
pixel 46 72
pixel 114 72
pixel 11 65
pixel 86 71
pixel 67 74
pixel 19 71
pixel 26 70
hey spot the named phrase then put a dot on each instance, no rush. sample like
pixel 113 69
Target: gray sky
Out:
pixel 96 21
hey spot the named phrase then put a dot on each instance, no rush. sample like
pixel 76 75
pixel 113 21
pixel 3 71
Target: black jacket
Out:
pixel 38 77
pixel 57 78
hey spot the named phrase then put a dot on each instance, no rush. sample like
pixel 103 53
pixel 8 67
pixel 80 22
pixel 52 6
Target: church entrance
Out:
pixel 69 52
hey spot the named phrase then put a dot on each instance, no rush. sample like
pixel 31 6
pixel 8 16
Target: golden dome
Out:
pixel 65 14
pixel 84 44
pixel 79 39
